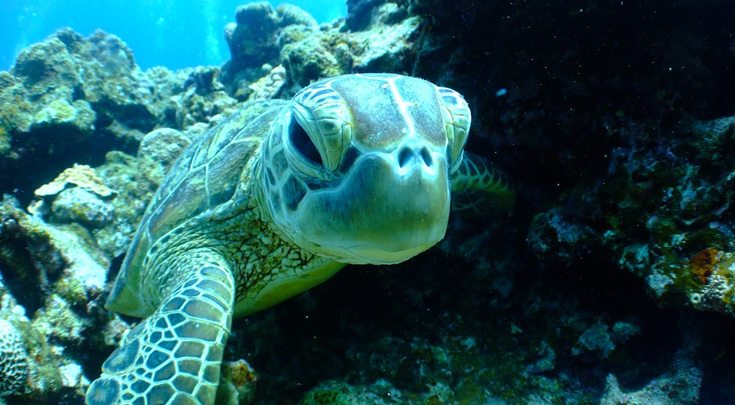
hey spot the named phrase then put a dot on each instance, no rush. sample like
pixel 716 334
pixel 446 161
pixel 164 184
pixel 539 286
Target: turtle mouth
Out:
pixel 387 209
pixel 362 255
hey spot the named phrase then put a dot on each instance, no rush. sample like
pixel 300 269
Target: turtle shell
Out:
pixel 204 177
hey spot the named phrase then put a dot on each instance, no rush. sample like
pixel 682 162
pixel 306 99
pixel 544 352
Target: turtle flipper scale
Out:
pixel 174 355
pixel 478 186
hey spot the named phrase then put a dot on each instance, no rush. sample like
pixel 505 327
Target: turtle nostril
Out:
pixel 407 154
pixel 426 155
pixel 404 156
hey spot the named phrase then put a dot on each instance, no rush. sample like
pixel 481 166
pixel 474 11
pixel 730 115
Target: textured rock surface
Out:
pixel 51 280
pixel 81 87
pixel 360 12
pixel 160 149
pixel 384 42
pixel 254 41
pixel 662 210
pixel 679 386
pixel 13 360
pixel 71 99
pixel 270 85
pixel 203 97
pixel 79 205
pixel 81 176
pixel 386 45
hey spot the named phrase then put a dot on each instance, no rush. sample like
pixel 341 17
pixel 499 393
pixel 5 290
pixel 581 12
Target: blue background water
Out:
pixel 172 33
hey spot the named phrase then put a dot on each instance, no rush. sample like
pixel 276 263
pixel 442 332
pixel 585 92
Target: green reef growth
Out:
pixel 611 281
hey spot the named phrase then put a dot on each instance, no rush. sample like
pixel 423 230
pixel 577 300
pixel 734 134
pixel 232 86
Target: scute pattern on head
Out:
pixel 323 111
pixel 353 147
pixel 457 120
pixel 399 107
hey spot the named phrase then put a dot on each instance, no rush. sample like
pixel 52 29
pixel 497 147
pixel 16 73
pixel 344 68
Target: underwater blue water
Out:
pixel 172 33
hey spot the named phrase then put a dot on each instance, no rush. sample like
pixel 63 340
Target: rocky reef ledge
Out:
pixel 612 281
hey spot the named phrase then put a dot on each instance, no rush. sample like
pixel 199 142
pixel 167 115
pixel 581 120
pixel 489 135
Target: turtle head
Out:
pixel 359 168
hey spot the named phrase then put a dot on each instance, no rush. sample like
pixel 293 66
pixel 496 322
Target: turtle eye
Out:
pixel 457 119
pixel 303 143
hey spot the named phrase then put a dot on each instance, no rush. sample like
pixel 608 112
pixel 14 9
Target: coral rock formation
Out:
pixel 13 360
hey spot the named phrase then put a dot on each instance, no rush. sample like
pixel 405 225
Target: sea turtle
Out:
pixel 275 200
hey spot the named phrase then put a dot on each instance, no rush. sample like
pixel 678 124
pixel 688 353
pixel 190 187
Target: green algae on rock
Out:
pixel 54 274
pixel 663 218
pixel 91 91
pixel 266 36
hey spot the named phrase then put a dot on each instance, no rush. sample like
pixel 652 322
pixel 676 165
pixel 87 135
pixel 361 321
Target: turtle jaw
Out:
pixel 389 208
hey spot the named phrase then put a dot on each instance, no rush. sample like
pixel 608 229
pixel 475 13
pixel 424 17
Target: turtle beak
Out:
pixel 391 207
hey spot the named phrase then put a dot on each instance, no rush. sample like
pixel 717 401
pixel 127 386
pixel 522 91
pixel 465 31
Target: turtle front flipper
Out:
pixel 477 187
pixel 174 355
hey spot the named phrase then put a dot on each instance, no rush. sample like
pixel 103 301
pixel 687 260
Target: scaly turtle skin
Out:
pixel 275 200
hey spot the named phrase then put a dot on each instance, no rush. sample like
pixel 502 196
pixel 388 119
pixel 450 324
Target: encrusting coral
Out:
pixel 79 175
pixel 13 360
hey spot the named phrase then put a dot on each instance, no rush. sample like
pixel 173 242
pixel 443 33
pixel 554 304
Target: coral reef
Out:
pixel 661 210
pixel 71 99
pixel 64 245
pixel 598 338
pixel 254 41
pixel 387 45
pixel 264 37
pixel 53 276
pixel 621 155
pixel 75 86
pixel 92 90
